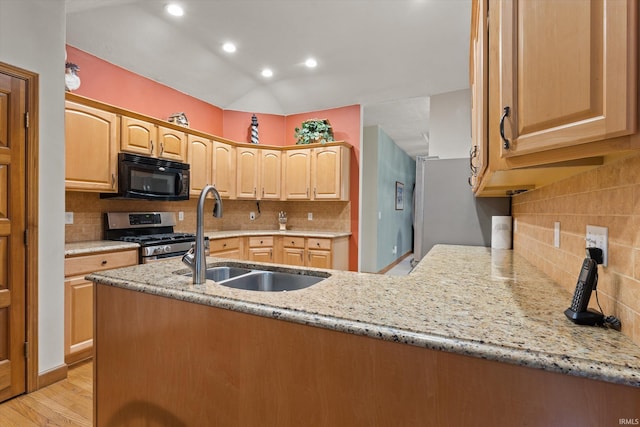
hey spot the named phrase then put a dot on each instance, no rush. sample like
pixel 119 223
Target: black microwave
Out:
pixel 141 177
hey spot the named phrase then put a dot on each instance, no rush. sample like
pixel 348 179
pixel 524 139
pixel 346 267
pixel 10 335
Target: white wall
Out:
pixel 32 36
pixel 450 125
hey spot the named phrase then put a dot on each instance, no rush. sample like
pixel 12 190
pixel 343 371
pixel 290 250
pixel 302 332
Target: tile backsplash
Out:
pixel 608 196
pixel 88 212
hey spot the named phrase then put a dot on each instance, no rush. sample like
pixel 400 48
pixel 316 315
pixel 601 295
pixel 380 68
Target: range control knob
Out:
pixel 166 249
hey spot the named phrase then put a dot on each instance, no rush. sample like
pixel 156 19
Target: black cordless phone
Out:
pixel 587 281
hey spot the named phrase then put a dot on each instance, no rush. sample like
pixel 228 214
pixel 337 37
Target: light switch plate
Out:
pixel 310 216
pixel 68 218
pixel 180 216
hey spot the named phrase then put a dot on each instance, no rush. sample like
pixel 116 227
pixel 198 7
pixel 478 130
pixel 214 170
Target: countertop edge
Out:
pixel 520 357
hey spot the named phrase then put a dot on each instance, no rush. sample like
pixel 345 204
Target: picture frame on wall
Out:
pixel 399 196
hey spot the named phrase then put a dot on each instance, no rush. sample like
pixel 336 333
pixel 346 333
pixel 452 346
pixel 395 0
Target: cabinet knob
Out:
pixel 224 245
pixel 104 262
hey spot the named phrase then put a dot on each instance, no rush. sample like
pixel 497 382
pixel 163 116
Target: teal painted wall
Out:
pixel 394 226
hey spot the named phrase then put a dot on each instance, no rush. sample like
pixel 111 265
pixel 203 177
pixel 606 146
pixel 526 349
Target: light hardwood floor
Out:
pixel 66 403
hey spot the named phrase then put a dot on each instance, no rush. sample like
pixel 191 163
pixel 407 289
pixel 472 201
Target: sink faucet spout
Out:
pixel 195 258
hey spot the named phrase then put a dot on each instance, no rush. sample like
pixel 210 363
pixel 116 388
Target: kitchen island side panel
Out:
pixel 179 363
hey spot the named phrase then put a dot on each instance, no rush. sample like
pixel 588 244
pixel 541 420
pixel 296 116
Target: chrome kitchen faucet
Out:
pixel 195 258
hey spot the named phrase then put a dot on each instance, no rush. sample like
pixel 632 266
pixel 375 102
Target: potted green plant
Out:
pixel 314 131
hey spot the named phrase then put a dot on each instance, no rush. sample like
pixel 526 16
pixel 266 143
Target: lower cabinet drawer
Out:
pixel 260 241
pixel 319 243
pixel 85 264
pixel 218 245
pixel 293 242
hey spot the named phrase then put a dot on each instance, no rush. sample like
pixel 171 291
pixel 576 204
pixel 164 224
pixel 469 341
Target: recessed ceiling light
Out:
pixel 174 9
pixel 311 63
pixel 229 47
pixel 267 72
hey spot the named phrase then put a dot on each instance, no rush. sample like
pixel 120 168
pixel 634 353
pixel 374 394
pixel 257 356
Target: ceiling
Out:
pixel 389 56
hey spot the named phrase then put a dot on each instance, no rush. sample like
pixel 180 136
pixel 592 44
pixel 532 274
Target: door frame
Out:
pixel 32 198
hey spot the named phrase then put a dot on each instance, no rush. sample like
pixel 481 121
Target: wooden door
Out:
pixel 270 174
pixel 326 173
pixel 293 256
pixel 138 136
pixel 297 174
pixel 319 259
pixel 91 151
pixel 172 144
pixel 78 301
pixel 568 72
pixel 261 254
pixel 200 158
pixel 224 169
pixel 247 173
pixel 12 236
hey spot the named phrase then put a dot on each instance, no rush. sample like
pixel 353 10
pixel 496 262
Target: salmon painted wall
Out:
pixel 346 125
pixel 106 82
pixel 237 127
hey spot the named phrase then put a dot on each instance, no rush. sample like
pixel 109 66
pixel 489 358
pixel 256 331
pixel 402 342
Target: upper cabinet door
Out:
pixel 478 80
pixel 270 174
pixel 567 72
pixel 200 158
pixel 247 173
pixel 297 174
pixel 330 173
pixel 172 144
pixel 91 148
pixel 138 136
pixel 224 169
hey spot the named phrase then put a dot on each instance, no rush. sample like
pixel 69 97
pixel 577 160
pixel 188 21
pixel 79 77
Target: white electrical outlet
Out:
pixel 598 237
pixel 68 217
pixel 310 216
pixel 180 216
pixel 395 250
pixel 252 216
pixel 556 234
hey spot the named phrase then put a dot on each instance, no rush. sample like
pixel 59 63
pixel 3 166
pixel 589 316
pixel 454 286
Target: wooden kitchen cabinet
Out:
pixel 200 158
pixel 138 136
pixel 330 172
pixel 247 173
pixel 293 251
pixel 562 89
pixel 91 152
pixel 297 174
pixel 318 173
pixel 258 173
pixel 224 169
pixel 261 248
pixel 270 174
pixel 78 299
pixel 319 253
pixel 478 81
pixel 172 145
pixel 143 137
pixel 229 247
pixel 567 72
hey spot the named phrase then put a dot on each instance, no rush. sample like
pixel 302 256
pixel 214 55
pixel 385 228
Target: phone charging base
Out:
pixel 589 317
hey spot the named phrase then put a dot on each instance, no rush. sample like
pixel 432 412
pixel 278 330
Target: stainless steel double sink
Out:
pixel 263 280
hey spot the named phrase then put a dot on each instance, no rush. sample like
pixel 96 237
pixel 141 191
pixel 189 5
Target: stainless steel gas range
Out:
pixel 153 231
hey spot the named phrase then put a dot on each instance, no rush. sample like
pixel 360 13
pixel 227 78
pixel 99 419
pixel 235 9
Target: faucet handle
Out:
pixel 189 257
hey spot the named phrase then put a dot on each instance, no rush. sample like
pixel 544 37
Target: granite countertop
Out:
pixel 96 246
pixel 474 301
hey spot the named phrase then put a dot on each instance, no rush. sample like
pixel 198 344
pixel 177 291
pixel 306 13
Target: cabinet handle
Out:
pixel 307 191
pixel 255 191
pixel 472 155
pixel 469 181
pixel 270 253
pixel 314 192
pixel 161 148
pixel 113 180
pixel 262 191
pixel 505 113
pixel 151 151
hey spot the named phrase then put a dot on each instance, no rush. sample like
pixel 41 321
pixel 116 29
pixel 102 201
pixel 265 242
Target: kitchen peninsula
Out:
pixel 472 336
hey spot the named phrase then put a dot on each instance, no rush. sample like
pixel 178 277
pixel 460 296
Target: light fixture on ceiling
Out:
pixel 229 47
pixel 311 63
pixel 174 9
pixel 267 72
